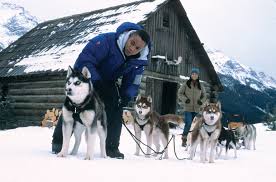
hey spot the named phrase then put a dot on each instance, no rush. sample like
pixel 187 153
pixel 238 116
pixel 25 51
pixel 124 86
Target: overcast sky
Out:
pixel 244 30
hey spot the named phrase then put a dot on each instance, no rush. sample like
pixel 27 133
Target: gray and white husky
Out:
pixel 82 111
pixel 154 126
pixel 206 131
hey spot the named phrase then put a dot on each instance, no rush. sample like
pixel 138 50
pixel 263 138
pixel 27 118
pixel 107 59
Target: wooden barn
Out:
pixel 33 69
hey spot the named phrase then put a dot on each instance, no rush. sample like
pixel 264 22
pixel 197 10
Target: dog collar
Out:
pixel 78 108
pixel 209 128
pixel 141 122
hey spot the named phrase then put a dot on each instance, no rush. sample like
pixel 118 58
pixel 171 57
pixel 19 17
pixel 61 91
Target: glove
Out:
pixel 187 101
pixel 199 102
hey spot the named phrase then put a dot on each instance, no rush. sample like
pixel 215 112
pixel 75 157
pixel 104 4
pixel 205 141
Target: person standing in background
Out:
pixel 192 95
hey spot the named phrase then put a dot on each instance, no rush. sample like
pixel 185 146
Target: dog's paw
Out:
pixel 104 155
pixel 73 153
pixel 61 154
pixel 87 157
pixel 202 160
pixel 147 155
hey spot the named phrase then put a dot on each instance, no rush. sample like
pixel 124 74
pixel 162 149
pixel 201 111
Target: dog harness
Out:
pixel 88 104
pixel 209 128
pixel 141 122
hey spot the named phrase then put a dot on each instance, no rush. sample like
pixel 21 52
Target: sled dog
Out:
pixel 189 136
pixel 206 131
pixel 154 126
pixel 128 117
pixel 82 111
pixel 173 120
pixel 226 139
pixel 248 134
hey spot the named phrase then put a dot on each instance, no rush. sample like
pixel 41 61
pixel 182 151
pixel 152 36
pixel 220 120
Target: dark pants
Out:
pixel 188 116
pixel 110 97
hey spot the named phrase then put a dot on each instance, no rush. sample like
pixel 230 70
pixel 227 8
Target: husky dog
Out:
pixel 234 125
pixel 206 131
pixel 173 120
pixel 189 136
pixel 226 138
pixel 128 117
pixel 248 133
pixel 151 123
pixel 82 110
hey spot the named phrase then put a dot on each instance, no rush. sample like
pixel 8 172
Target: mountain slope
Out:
pixel 246 92
pixel 245 75
pixel 14 22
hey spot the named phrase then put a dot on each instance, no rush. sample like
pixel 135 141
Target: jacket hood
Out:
pixel 122 34
pixel 127 26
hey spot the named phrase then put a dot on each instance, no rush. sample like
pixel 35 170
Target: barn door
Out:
pixel 163 94
pixel 169 92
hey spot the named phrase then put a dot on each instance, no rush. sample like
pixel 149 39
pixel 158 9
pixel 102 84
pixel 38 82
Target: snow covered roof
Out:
pixel 53 45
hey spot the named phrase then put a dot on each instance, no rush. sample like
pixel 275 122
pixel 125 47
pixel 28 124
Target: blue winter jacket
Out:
pixel 106 62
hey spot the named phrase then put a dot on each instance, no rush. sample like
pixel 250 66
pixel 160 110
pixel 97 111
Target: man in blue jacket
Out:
pixel 109 56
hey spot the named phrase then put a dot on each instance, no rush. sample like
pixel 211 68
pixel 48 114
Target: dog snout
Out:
pixel 68 91
pixel 140 112
pixel 212 117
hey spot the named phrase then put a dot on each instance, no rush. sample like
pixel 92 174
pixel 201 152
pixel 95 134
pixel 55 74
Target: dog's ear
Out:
pixel 206 103
pixel 85 72
pixel 69 71
pixel 218 104
pixel 138 97
pixel 56 112
pixel 149 99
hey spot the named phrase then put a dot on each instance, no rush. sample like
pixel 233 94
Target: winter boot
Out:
pixel 114 153
pixel 184 141
pixel 57 137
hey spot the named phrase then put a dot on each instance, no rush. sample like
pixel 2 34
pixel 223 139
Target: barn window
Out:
pixel 166 20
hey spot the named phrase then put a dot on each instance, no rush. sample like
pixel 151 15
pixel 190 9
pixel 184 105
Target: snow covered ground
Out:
pixel 25 157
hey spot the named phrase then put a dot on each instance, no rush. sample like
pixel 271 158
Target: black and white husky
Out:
pixel 82 111
pixel 226 139
pixel 154 126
